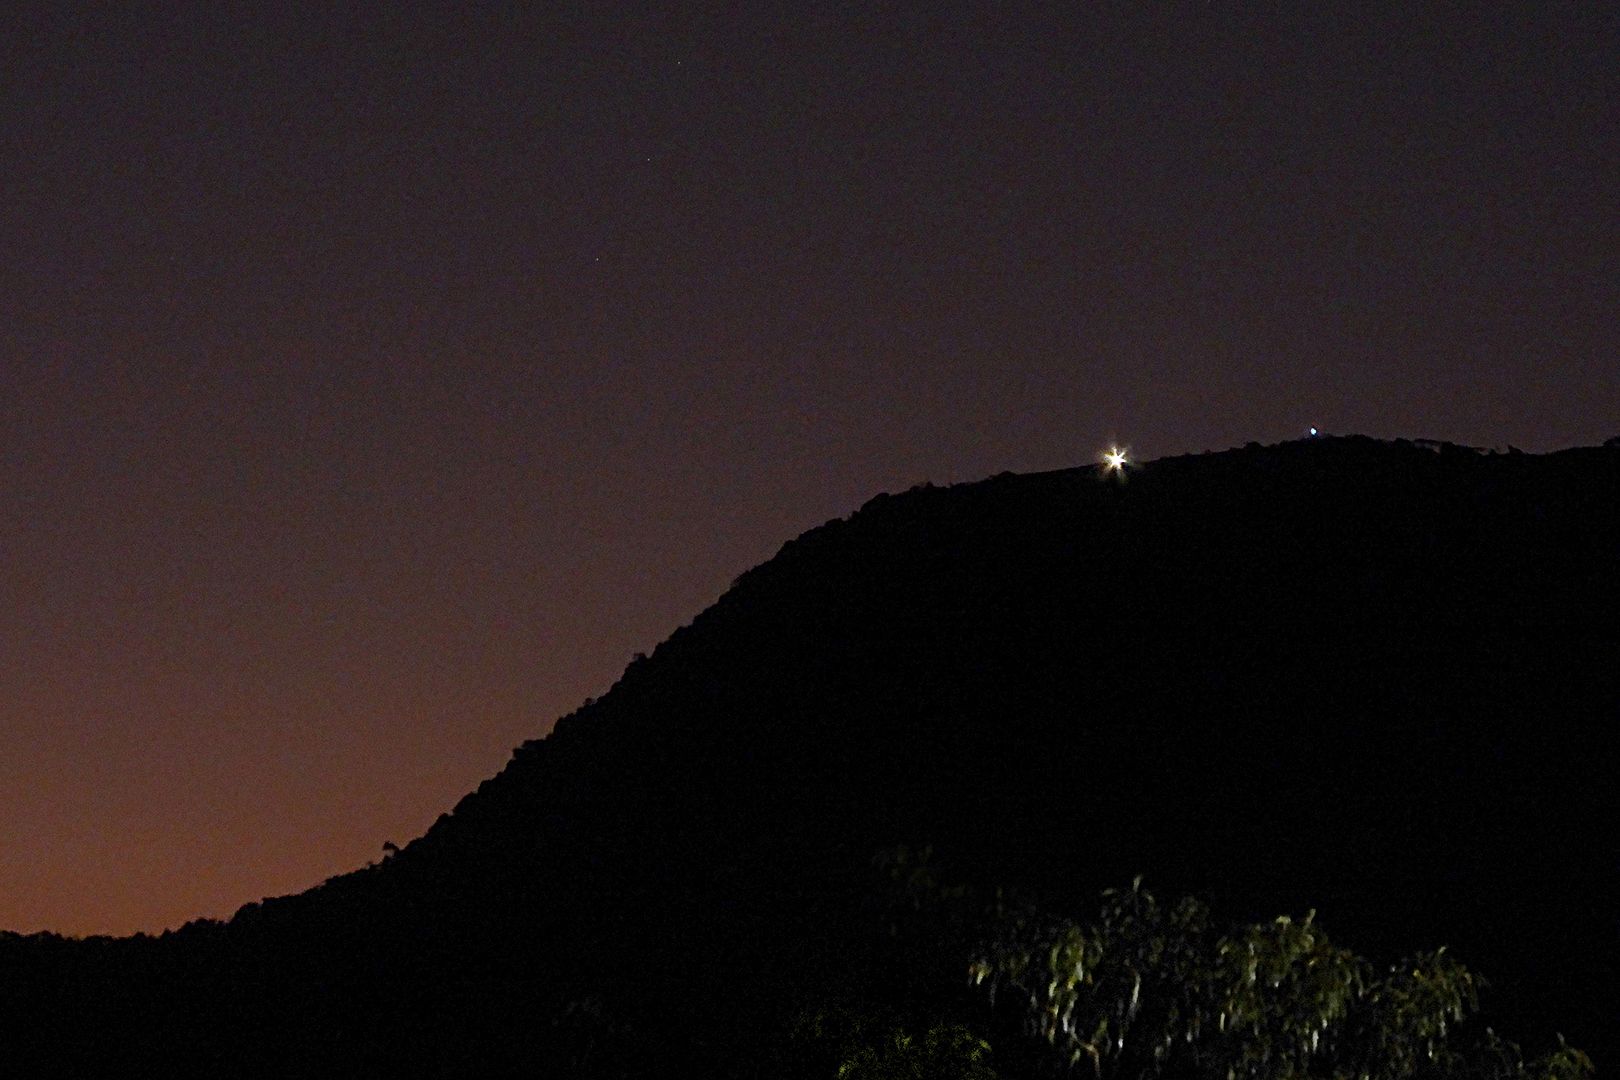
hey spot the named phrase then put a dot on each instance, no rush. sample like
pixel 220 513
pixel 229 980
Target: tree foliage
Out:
pixel 1150 989
pixel 869 1041
pixel 942 1052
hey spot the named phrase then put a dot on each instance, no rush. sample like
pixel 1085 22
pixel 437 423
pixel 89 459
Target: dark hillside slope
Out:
pixel 1379 679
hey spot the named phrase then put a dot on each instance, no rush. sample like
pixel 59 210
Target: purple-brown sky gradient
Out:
pixel 374 384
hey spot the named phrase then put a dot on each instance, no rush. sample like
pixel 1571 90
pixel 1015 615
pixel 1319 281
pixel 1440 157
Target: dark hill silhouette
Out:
pixel 1378 679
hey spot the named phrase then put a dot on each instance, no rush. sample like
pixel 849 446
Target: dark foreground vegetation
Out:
pixel 1146 989
pixel 1380 680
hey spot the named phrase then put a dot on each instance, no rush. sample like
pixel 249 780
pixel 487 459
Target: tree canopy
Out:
pixel 1149 989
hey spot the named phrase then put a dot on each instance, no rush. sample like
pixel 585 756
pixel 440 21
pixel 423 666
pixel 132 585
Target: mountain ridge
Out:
pixel 1334 672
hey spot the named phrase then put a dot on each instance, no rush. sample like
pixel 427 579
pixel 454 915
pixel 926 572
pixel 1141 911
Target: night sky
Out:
pixel 373 384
